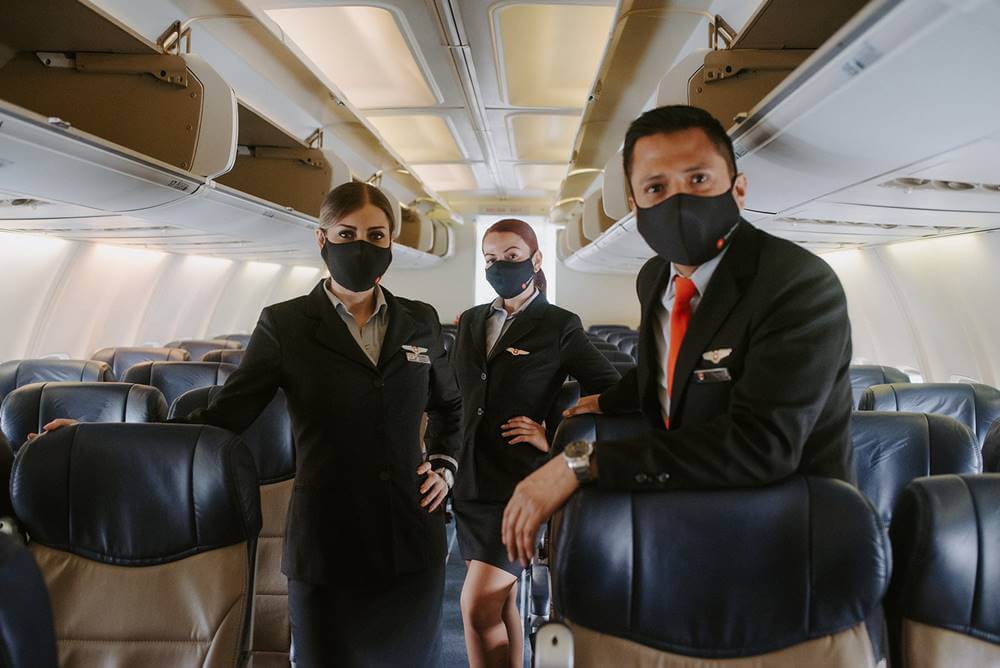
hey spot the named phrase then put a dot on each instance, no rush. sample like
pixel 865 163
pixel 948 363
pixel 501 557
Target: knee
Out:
pixel 480 612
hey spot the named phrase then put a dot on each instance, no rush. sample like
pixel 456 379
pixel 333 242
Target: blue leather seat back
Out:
pixel 864 376
pixel 944 601
pixel 17 373
pixel 29 408
pixel 27 637
pixel 122 358
pixel 975 405
pixel 227 355
pixel 270 438
pixel 892 449
pixel 722 573
pixel 176 378
pixel 991 449
pixel 198 347
pixel 569 394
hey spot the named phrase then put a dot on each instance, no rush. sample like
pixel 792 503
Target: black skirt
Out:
pixel 477 524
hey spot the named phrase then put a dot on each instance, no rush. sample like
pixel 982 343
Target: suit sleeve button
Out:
pixel 641 478
pixel 483 377
pixel 663 478
pixel 479 411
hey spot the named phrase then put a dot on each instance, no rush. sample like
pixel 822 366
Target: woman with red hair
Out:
pixel 511 357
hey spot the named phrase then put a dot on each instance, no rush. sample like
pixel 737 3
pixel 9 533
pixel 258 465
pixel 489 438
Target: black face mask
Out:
pixel 689 229
pixel 510 279
pixel 356 265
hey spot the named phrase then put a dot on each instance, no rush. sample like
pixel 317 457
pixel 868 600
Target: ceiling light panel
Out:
pixel 419 138
pixel 543 137
pixel 362 51
pixel 539 177
pixel 550 53
pixel 447 177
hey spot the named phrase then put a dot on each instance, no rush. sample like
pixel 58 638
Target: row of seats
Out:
pixel 668 577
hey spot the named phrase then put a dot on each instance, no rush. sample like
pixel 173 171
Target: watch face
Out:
pixel 578 449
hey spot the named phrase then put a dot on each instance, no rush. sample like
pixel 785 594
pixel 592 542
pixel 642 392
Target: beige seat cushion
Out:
pixel 272 634
pixel 926 646
pixel 188 612
pixel 849 649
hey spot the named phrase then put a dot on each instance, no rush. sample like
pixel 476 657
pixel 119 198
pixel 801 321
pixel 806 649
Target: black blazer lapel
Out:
pixel 522 325
pixel 332 332
pixel 399 331
pixel 649 360
pixel 724 291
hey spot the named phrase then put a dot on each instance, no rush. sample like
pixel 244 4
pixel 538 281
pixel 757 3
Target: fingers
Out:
pixel 587 404
pixel 439 498
pixel 510 514
pixel 438 490
pixel 423 468
pixel 526 540
pixel 32 435
pixel 520 431
pixel 519 422
pixel 58 423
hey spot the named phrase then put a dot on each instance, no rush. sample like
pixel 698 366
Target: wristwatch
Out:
pixel 577 455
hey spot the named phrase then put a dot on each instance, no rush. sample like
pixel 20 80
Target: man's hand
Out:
pixel 535 499
pixel 587 404
pixel 434 489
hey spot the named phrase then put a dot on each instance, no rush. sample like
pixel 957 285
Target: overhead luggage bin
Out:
pixel 614 190
pixel 174 108
pixel 574 234
pixel 595 221
pixel 442 240
pixel 415 231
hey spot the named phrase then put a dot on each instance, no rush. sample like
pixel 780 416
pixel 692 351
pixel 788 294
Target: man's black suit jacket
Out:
pixel 501 385
pixel 782 313
pixel 355 506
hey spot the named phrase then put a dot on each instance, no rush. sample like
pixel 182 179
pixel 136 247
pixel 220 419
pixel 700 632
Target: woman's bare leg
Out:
pixel 515 631
pixel 484 598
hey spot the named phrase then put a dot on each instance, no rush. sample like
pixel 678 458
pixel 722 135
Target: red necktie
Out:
pixel 680 315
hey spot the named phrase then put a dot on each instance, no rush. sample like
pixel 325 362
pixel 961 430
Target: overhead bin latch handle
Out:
pixel 720 28
pixel 308 156
pixel 167 68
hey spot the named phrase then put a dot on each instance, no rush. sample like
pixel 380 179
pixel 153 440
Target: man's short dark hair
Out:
pixel 674 118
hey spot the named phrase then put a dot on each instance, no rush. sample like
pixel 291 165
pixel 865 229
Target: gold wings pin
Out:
pixel 517 352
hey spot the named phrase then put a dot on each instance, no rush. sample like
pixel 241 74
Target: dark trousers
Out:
pixel 347 625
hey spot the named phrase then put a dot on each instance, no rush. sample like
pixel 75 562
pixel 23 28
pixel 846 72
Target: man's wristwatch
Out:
pixel 577 455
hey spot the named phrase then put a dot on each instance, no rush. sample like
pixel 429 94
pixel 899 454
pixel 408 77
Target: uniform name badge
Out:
pixel 417 354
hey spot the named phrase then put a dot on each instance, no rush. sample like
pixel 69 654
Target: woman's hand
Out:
pixel 525 430
pixel 434 489
pixel 58 423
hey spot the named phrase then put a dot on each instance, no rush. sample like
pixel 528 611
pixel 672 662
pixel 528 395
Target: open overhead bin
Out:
pixel 415 231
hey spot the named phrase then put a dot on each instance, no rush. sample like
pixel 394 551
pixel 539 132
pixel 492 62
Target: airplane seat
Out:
pixel 624 341
pixel 622 362
pixel 198 347
pixel 605 346
pixel 891 449
pixel 27 409
pixel 864 376
pixel 568 395
pixel 694 578
pixel 618 336
pixel 18 373
pixel 227 355
pixel 631 348
pixel 242 339
pixel 7 521
pixel 122 358
pixel 991 449
pixel 975 405
pixel 943 604
pixel 448 339
pixel 176 378
pixel 272 444
pixel 596 329
pixel 27 636
pixel 145 535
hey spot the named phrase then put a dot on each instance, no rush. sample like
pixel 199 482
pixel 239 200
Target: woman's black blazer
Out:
pixel 503 385
pixel 355 507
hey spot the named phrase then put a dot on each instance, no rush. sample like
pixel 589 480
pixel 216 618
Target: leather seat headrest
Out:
pixel 17 373
pixel 122 358
pixel 176 378
pixel 864 376
pixel 29 408
pixel 891 449
pixel 721 573
pixel 242 339
pixel 137 494
pixel 6 462
pixel 991 449
pixel 975 405
pixel 946 542
pixel 270 438
pixel 227 355
pixel 198 347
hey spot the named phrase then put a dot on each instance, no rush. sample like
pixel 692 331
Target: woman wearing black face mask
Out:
pixel 365 543
pixel 511 357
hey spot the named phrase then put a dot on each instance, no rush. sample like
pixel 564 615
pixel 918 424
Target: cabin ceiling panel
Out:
pixel 445 177
pixel 420 137
pixel 543 137
pixel 539 177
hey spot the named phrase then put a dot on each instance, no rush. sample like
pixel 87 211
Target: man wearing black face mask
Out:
pixel 744 344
